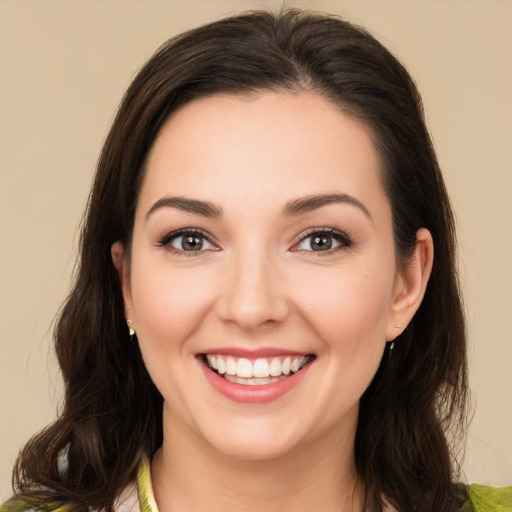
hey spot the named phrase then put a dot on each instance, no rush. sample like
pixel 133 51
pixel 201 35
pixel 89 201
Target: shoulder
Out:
pixel 484 498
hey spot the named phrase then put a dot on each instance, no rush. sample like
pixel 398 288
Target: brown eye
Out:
pixel 191 243
pixel 187 241
pixel 323 241
pixel 320 243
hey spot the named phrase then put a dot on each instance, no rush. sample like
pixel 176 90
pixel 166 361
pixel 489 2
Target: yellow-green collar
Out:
pixel 147 501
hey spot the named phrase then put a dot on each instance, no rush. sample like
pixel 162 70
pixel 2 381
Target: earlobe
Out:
pixel 411 285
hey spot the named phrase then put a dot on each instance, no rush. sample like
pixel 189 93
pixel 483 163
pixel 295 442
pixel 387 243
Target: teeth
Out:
pixel 212 361
pixel 255 372
pixel 296 364
pixel 244 368
pixel 221 365
pixel 275 367
pixel 231 366
pixel 260 368
pixel 254 381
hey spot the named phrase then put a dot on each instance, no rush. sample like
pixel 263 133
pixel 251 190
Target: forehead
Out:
pixel 278 145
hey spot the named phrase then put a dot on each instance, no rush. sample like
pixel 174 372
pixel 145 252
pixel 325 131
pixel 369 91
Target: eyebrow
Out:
pixel 204 208
pixel 292 208
pixel 310 203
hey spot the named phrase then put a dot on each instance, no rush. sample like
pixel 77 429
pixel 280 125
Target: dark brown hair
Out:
pixel 112 412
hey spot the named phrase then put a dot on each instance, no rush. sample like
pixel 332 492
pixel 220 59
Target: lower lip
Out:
pixel 253 394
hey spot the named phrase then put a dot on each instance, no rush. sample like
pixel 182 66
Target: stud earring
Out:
pixel 392 344
pixel 131 330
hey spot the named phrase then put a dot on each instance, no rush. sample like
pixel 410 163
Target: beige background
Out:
pixel 64 66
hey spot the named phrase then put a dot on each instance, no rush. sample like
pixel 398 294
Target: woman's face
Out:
pixel 262 246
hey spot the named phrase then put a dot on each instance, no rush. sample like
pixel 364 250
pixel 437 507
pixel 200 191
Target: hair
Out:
pixel 415 408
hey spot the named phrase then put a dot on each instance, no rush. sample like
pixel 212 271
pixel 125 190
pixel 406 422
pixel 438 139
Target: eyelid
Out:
pixel 344 240
pixel 165 241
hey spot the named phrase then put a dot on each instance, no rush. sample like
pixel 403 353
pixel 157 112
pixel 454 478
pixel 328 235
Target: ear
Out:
pixel 121 264
pixel 410 285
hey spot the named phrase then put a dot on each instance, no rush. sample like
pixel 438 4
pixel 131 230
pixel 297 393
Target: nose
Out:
pixel 253 295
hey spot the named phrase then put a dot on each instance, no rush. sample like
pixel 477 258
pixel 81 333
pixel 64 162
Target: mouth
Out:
pixel 255 372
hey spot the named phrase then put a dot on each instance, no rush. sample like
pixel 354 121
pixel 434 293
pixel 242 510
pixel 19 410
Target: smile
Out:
pixel 255 372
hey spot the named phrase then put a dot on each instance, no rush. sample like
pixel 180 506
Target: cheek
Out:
pixel 169 303
pixel 348 315
pixel 348 308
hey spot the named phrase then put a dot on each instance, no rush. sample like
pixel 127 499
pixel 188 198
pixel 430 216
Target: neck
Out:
pixel 188 474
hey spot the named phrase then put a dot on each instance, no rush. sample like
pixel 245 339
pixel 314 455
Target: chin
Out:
pixel 251 451
pixel 255 442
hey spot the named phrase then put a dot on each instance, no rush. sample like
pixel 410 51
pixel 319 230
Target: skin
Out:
pixel 258 283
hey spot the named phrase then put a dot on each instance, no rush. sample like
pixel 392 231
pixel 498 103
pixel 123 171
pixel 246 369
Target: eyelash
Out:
pixel 166 240
pixel 344 240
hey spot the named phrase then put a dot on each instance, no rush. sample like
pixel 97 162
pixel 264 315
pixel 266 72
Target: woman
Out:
pixel 257 269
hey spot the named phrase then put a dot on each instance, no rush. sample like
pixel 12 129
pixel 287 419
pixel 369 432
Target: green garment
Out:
pixel 483 498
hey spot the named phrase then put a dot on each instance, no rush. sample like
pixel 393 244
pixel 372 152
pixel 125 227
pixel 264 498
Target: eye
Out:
pixel 187 241
pixel 324 240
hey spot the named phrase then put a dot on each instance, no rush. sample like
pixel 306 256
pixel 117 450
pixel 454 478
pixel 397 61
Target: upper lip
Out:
pixel 254 353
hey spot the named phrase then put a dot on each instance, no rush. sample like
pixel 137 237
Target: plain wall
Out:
pixel 64 66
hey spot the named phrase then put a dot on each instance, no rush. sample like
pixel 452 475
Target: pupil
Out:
pixel 321 243
pixel 192 243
